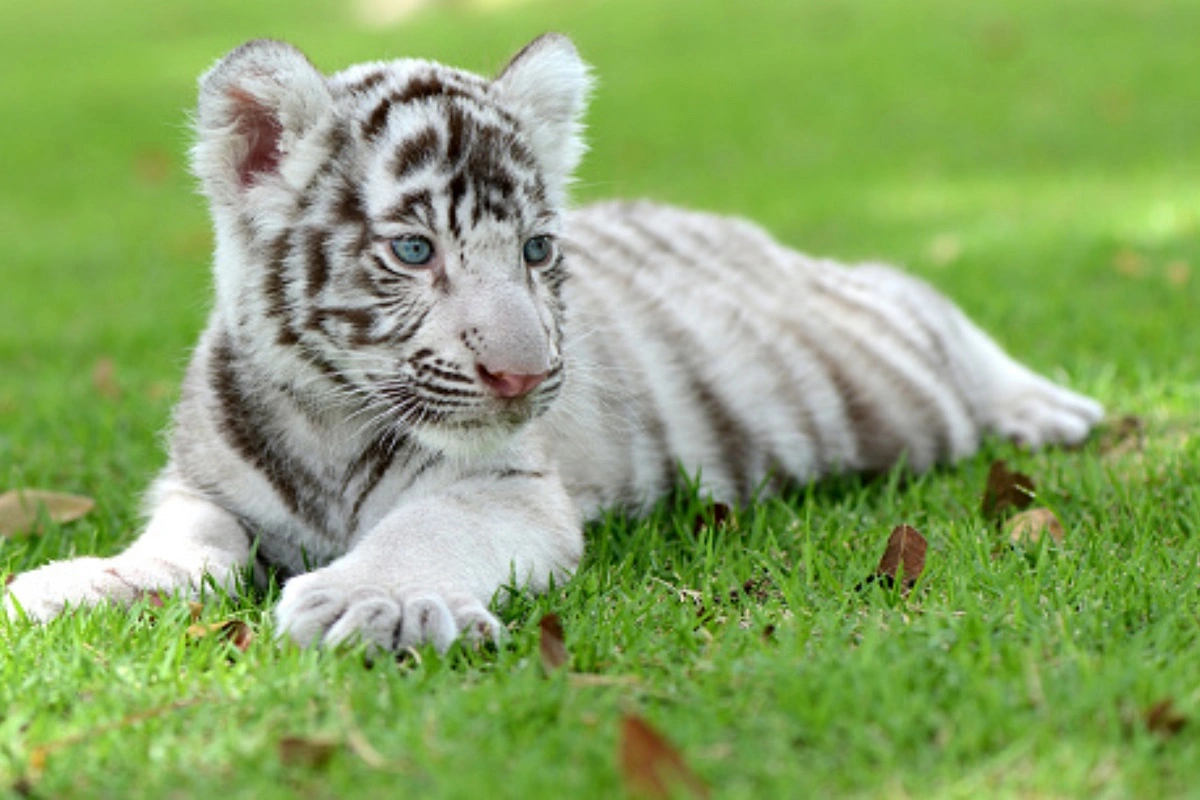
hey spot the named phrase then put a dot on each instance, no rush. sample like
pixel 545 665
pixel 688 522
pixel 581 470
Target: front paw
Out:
pixel 1036 412
pixel 44 593
pixel 329 607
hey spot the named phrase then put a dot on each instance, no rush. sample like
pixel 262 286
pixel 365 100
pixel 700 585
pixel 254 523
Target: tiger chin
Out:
pixel 423 372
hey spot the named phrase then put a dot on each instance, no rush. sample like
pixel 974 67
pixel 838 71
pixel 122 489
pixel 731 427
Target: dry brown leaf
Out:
pixel 1130 263
pixel 905 551
pixel 1178 273
pixel 587 680
pixel 1028 526
pixel 650 765
pixel 1162 719
pixel 300 751
pixel 716 517
pixel 152 167
pixel 104 379
pixel 945 249
pixel 234 631
pixel 1006 490
pixel 1127 434
pixel 19 509
pixel 154 599
pixel 551 645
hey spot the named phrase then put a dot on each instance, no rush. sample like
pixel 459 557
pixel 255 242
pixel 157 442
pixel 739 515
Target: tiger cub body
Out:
pixel 422 373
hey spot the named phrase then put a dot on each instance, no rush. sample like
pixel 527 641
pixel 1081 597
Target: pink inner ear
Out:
pixel 262 132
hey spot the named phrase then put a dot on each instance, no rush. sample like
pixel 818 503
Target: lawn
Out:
pixel 1038 161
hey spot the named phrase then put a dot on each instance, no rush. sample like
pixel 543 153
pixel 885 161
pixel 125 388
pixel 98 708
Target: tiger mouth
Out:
pixel 413 411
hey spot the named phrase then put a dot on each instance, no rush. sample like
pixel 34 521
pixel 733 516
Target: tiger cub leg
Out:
pixel 428 571
pixel 186 539
pixel 1008 398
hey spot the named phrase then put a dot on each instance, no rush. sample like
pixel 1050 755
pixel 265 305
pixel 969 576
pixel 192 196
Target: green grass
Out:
pixel 1050 148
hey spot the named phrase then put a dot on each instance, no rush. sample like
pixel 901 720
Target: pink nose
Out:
pixel 509 384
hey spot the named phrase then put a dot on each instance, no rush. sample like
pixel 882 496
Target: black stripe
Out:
pixel 368 81
pixel 514 472
pixel 430 86
pixel 315 261
pixel 245 424
pixel 405 334
pixel 416 152
pixel 275 288
pixel 916 396
pixel 378 456
pixel 413 207
pixel 458 127
pixel 732 439
pixel 457 189
pixel 361 321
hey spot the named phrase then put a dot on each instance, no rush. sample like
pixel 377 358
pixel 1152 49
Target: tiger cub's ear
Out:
pixel 547 85
pixel 257 109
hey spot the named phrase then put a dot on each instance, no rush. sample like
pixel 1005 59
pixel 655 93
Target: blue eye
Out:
pixel 413 250
pixel 538 250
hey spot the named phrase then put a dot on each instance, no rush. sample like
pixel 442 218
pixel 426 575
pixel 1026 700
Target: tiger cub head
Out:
pixel 387 237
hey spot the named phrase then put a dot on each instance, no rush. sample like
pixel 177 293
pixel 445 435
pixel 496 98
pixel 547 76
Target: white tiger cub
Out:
pixel 422 373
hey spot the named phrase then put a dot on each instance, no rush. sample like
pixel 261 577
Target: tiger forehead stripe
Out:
pixel 418 151
pixel 429 86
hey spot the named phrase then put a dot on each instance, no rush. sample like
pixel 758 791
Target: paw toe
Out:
pixel 307 615
pixel 1045 414
pixel 477 624
pixel 426 618
pixel 370 619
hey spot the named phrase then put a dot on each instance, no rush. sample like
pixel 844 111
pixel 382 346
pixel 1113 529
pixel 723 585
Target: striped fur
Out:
pixel 403 439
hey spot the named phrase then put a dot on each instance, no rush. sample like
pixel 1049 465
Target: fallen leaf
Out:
pixel 1028 526
pixel 944 249
pixel 153 599
pixel 234 631
pixel 1129 262
pixel 104 379
pixel 1115 105
pixel 905 554
pixel 299 751
pixel 1006 490
pixel 19 509
pixel 551 645
pixel 1001 40
pixel 1178 273
pixel 152 167
pixel 159 391
pixel 1124 435
pixel 1162 719
pixel 385 13
pixel 715 517
pixel 195 609
pixel 650 765
pixel 590 680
